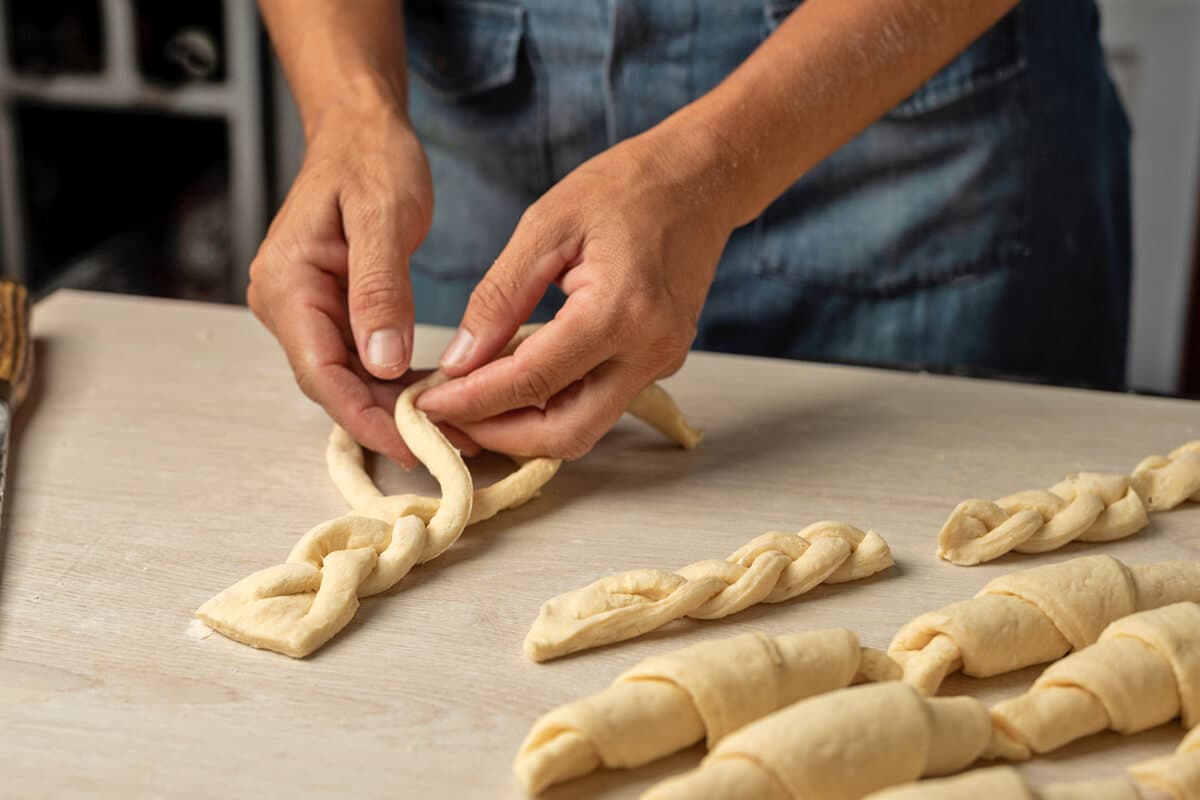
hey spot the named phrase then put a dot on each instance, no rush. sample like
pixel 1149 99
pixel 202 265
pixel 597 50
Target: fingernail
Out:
pixel 459 348
pixel 387 348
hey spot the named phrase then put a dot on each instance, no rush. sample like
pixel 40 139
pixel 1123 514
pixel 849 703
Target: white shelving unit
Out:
pixel 237 101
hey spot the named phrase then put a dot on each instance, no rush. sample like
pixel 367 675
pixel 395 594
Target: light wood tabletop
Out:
pixel 165 453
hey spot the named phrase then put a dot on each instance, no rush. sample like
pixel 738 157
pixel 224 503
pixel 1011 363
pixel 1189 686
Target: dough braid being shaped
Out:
pixel 1144 671
pixel 771 568
pixel 1176 777
pixel 296 607
pixel 1034 616
pixel 1088 507
pixel 839 746
pixel 706 691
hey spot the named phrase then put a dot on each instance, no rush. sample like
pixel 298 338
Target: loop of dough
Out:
pixel 1144 671
pixel 1034 616
pixel 771 568
pixel 839 746
pixel 706 691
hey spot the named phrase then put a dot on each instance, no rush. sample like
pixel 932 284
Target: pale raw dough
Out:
pixel 1005 783
pixel 1034 616
pixel 296 607
pixel 1089 507
pixel 1144 671
pixel 771 568
pixel 706 691
pixel 839 746
pixel 1176 776
pixel 1165 482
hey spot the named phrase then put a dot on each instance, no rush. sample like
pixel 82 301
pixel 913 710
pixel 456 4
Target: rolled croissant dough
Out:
pixel 706 691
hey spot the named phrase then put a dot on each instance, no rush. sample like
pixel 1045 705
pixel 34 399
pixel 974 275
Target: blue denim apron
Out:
pixel 982 225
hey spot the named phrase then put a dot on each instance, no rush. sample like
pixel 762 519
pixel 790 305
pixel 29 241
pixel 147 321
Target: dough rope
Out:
pixel 706 691
pixel 1034 616
pixel 296 607
pixel 1144 671
pixel 839 746
pixel 771 568
pixel 1088 507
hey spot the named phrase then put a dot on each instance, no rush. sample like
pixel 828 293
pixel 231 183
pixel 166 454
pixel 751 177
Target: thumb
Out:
pixel 379 293
pixel 540 249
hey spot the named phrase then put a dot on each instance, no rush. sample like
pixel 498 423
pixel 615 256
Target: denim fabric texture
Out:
pixel 982 225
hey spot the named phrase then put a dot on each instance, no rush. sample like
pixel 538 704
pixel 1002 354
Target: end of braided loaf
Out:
pixel 1165 482
pixel 771 568
pixel 1088 507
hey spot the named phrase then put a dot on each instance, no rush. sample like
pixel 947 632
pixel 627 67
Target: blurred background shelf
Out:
pixel 142 124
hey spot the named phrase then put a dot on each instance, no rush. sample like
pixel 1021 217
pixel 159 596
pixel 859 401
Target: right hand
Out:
pixel 331 281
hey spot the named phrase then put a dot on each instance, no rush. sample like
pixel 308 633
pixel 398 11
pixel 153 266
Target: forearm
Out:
pixel 828 72
pixel 333 53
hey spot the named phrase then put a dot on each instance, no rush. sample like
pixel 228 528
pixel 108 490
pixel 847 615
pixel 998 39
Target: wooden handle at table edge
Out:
pixel 16 348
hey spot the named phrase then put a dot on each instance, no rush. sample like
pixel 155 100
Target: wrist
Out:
pixel 712 161
pixel 365 96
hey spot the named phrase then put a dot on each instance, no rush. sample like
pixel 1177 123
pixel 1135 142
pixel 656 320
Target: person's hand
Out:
pixel 331 278
pixel 632 237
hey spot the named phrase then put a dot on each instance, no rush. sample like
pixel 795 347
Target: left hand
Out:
pixel 632 237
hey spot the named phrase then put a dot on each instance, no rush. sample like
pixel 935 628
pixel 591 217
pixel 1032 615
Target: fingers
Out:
pixel 564 350
pixel 571 424
pixel 541 247
pixel 322 367
pixel 379 293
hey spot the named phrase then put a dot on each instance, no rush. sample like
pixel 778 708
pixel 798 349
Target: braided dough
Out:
pixel 296 607
pixel 1088 507
pixel 1144 671
pixel 839 746
pixel 1034 616
pixel 705 691
pixel 771 568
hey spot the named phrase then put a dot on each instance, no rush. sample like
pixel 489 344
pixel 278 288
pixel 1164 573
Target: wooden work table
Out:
pixel 165 453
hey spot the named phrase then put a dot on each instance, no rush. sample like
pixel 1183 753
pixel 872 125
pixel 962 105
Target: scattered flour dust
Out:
pixel 198 630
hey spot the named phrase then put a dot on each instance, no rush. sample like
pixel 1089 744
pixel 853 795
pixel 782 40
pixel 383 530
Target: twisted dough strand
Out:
pixel 1088 507
pixel 771 568
pixel 706 691
pixel 1034 616
pixel 1144 671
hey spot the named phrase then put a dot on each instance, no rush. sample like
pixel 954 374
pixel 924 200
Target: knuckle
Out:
pixel 533 388
pixel 535 219
pixel 373 290
pixel 489 299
